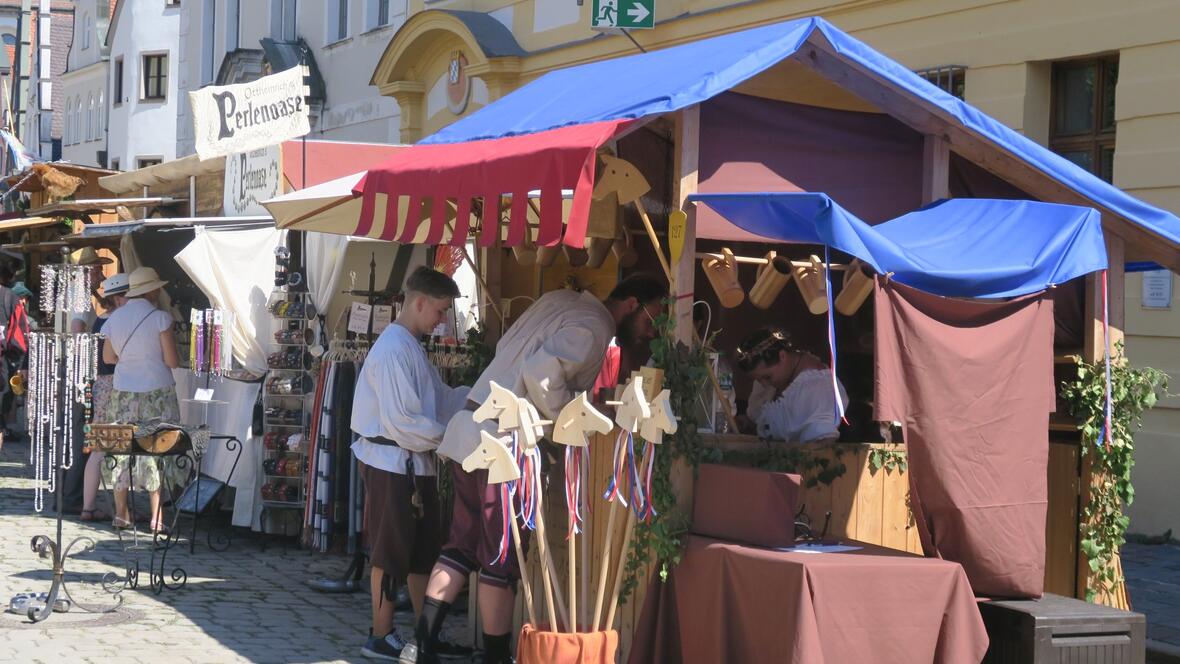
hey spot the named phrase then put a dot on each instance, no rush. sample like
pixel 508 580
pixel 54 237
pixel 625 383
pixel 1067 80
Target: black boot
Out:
pixel 497 649
pixel 430 623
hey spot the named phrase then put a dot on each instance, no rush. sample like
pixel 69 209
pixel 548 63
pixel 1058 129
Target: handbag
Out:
pixel 112 438
pixel 165 440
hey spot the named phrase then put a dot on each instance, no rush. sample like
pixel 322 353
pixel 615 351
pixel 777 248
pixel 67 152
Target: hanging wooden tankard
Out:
pixel 723 275
pixel 772 278
pixel 858 285
pixel 812 285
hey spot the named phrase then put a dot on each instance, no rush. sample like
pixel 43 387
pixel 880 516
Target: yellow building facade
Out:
pixel 1094 79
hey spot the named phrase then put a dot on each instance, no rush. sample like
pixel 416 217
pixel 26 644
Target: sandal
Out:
pixel 120 524
pixel 94 515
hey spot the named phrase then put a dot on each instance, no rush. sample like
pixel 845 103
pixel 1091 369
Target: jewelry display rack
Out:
pixel 59 427
pixel 286 393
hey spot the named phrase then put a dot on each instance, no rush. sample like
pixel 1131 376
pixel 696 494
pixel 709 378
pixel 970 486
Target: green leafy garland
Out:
pixel 686 377
pixel 1104 525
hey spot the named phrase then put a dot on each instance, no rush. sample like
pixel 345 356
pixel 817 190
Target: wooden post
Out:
pixel 936 161
pixel 1094 349
pixel 686 162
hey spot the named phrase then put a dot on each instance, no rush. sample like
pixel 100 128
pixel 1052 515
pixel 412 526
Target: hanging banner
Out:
pixel 250 178
pixel 240 118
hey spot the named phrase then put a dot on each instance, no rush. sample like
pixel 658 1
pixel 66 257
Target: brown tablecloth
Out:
pixel 731 603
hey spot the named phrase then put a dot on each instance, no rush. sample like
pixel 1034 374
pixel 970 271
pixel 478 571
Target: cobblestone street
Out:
pixel 246 604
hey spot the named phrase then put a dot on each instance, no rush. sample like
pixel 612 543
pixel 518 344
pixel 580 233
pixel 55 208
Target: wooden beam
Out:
pixel 685 163
pixel 819 55
pixel 936 169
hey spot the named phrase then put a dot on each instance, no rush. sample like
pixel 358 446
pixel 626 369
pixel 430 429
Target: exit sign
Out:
pixel 629 14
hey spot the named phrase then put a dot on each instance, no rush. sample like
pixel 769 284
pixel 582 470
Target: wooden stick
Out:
pixel 750 260
pixel 487 292
pixel 620 570
pixel 606 547
pixel 586 536
pixel 551 568
pixel 543 550
pixel 655 241
pixel 524 578
pixel 571 574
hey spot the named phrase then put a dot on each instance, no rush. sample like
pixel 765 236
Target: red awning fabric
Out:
pixel 432 175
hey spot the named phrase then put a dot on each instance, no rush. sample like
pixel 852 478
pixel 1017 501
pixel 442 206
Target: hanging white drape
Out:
pixel 323 254
pixel 235 270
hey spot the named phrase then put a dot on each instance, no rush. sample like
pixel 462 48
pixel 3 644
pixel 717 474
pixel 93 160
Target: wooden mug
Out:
pixel 858 284
pixel 812 285
pixel 625 253
pixel 576 257
pixel 525 254
pixel 723 275
pixel 599 248
pixel 546 255
pixel 772 279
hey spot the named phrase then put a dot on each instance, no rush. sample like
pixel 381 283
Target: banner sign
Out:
pixel 245 117
pixel 250 178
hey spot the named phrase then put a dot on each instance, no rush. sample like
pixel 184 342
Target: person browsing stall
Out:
pixel 554 351
pixel 801 406
pixel 399 409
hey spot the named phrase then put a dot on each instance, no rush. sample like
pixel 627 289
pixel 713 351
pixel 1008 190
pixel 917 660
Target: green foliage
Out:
pixel 686 377
pixel 1104 525
pixel 783 458
pixel 479 355
pixel 890 460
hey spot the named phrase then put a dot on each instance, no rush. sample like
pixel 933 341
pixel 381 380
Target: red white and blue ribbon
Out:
pixel 530 482
pixel 1107 434
pixel 618 471
pixel 638 498
pixel 649 462
pixel 507 492
pixel 573 489
pixel 832 337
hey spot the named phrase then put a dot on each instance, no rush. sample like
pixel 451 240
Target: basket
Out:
pixel 537 647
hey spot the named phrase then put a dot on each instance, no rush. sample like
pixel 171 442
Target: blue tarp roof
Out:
pixel 680 76
pixel 963 247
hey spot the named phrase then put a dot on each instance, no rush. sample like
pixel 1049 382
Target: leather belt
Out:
pixel 382 440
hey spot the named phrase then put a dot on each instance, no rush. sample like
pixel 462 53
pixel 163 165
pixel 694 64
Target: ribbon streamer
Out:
pixel 638 498
pixel 613 492
pixel 832 336
pixel 573 489
pixel 649 462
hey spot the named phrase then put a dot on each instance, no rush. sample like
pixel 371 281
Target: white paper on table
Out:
pixel 820 548
pixel 203 394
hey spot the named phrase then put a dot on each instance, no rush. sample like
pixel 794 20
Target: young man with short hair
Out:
pixel 552 352
pixel 399 409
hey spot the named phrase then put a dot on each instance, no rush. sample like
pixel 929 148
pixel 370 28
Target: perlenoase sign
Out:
pixel 239 118
pixel 629 14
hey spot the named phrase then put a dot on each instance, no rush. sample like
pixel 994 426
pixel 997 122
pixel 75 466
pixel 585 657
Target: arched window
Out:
pixel 102 117
pixel 67 131
pixel 87 28
pixel 90 119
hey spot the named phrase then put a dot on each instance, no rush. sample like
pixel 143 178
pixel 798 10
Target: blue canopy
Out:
pixel 681 76
pixel 962 247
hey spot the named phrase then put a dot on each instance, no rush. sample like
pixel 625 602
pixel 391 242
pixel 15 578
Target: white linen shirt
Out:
pixel 400 396
pixel 141 365
pixel 552 352
pixel 805 411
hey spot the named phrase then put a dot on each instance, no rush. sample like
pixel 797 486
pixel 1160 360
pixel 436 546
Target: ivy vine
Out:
pixel 1104 525
pixel 686 377
pixel 890 460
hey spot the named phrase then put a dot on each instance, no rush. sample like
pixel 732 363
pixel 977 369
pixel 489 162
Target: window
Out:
pixel 102 117
pixel 155 76
pixel 144 162
pixel 117 86
pixel 68 135
pixel 171 3
pixel 115 164
pixel 952 79
pixel 282 19
pixel 86 30
pixel 1081 120
pixel 337 20
pixel 376 14
pixel 90 119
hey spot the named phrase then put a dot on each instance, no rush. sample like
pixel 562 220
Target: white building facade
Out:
pixel 144 40
pixel 84 86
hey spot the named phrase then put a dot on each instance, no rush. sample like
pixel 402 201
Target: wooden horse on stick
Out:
pixel 575 421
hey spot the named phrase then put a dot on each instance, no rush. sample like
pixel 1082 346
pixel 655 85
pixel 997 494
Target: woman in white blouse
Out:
pixel 799 404
pixel 141 345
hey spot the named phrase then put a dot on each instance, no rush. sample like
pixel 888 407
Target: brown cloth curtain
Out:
pixel 972 384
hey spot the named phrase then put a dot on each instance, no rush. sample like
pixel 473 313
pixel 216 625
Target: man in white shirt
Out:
pixel 798 403
pixel 398 409
pixel 551 353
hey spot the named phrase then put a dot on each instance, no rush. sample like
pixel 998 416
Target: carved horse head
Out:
pixel 661 420
pixel 501 404
pixel 495 457
pixel 577 419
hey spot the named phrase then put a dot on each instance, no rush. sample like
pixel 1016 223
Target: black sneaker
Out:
pixel 451 650
pixel 388 647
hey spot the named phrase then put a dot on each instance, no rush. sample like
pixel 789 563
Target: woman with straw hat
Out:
pixel 141 345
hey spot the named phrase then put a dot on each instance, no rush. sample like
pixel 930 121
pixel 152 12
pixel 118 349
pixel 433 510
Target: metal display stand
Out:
pixel 48 547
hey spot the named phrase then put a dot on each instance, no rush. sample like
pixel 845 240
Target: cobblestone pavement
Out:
pixel 1153 581
pixel 247 604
